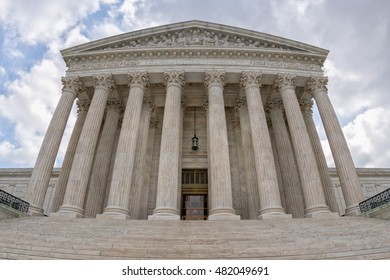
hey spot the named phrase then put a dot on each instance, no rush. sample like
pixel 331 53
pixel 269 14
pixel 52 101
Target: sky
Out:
pixel 356 32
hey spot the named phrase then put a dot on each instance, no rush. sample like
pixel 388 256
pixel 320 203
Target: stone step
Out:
pixel 56 238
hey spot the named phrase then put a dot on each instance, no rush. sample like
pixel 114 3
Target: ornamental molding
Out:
pixel 189 40
pixel 197 59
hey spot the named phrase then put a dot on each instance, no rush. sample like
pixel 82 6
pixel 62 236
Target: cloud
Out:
pixel 357 39
pixel 30 19
pixel 368 137
pixel 29 105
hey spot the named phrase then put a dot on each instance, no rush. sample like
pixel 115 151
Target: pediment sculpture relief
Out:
pixel 195 37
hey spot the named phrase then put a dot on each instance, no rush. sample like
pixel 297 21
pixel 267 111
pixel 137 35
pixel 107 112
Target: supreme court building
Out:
pixel 194 120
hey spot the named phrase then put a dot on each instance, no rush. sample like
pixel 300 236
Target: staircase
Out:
pixel 327 238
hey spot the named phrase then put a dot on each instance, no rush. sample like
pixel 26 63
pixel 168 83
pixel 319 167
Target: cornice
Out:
pixel 195 39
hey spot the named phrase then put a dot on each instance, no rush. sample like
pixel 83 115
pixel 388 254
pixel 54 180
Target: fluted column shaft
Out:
pixel 101 164
pixel 118 199
pixel 43 168
pixel 79 174
pixel 69 155
pixel 323 168
pixel 168 182
pixel 349 180
pixel 307 166
pixel 218 150
pixel 249 161
pixel 267 181
pixel 290 177
pixel 140 175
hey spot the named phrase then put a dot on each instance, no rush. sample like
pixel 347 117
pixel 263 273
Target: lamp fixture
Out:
pixel 195 139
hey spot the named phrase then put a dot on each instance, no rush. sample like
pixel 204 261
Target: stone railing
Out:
pixel 13 202
pixel 375 201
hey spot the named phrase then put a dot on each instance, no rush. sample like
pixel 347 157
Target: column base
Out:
pixel 353 210
pixel 274 216
pixel 67 211
pixel 221 214
pixel 114 213
pixel 273 213
pixel 35 211
pixel 165 214
pixel 169 217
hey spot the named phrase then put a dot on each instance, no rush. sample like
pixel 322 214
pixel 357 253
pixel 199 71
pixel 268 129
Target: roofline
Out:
pixel 189 24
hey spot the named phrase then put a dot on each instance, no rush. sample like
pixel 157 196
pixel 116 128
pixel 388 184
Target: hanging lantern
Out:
pixel 195 139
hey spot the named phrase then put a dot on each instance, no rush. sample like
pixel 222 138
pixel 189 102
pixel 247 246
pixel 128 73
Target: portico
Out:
pixel 137 94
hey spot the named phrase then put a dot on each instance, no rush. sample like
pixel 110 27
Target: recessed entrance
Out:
pixel 194 204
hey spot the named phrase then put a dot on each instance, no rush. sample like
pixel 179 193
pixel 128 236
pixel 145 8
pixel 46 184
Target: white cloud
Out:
pixel 40 21
pixel 2 71
pixel 368 138
pixel 29 105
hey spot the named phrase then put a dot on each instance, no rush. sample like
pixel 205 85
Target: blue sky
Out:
pixel 32 33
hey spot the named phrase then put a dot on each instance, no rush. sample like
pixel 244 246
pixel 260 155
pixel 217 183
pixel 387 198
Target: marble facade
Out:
pixel 137 94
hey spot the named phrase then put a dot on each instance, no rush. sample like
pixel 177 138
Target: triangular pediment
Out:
pixel 196 35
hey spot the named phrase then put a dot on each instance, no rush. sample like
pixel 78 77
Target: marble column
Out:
pixel 69 155
pixel 267 181
pixel 140 175
pixel 290 177
pixel 249 160
pixel 349 180
pixel 118 199
pixel 79 174
pixel 307 166
pixel 101 164
pixel 144 200
pixel 306 107
pixel 220 185
pixel 168 183
pixel 43 168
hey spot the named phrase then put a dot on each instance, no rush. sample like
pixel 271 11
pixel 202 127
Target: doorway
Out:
pixel 194 202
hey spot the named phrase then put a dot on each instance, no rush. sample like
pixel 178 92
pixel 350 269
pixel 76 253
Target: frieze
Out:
pixel 264 63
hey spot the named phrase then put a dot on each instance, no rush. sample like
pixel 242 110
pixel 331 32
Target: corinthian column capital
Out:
pixel 105 80
pixel 306 105
pixel 240 103
pixel 115 104
pixel 139 79
pixel 83 105
pixel 285 80
pixel 317 84
pixel 176 78
pixel 214 77
pixel 249 79
pixel 275 104
pixel 72 84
